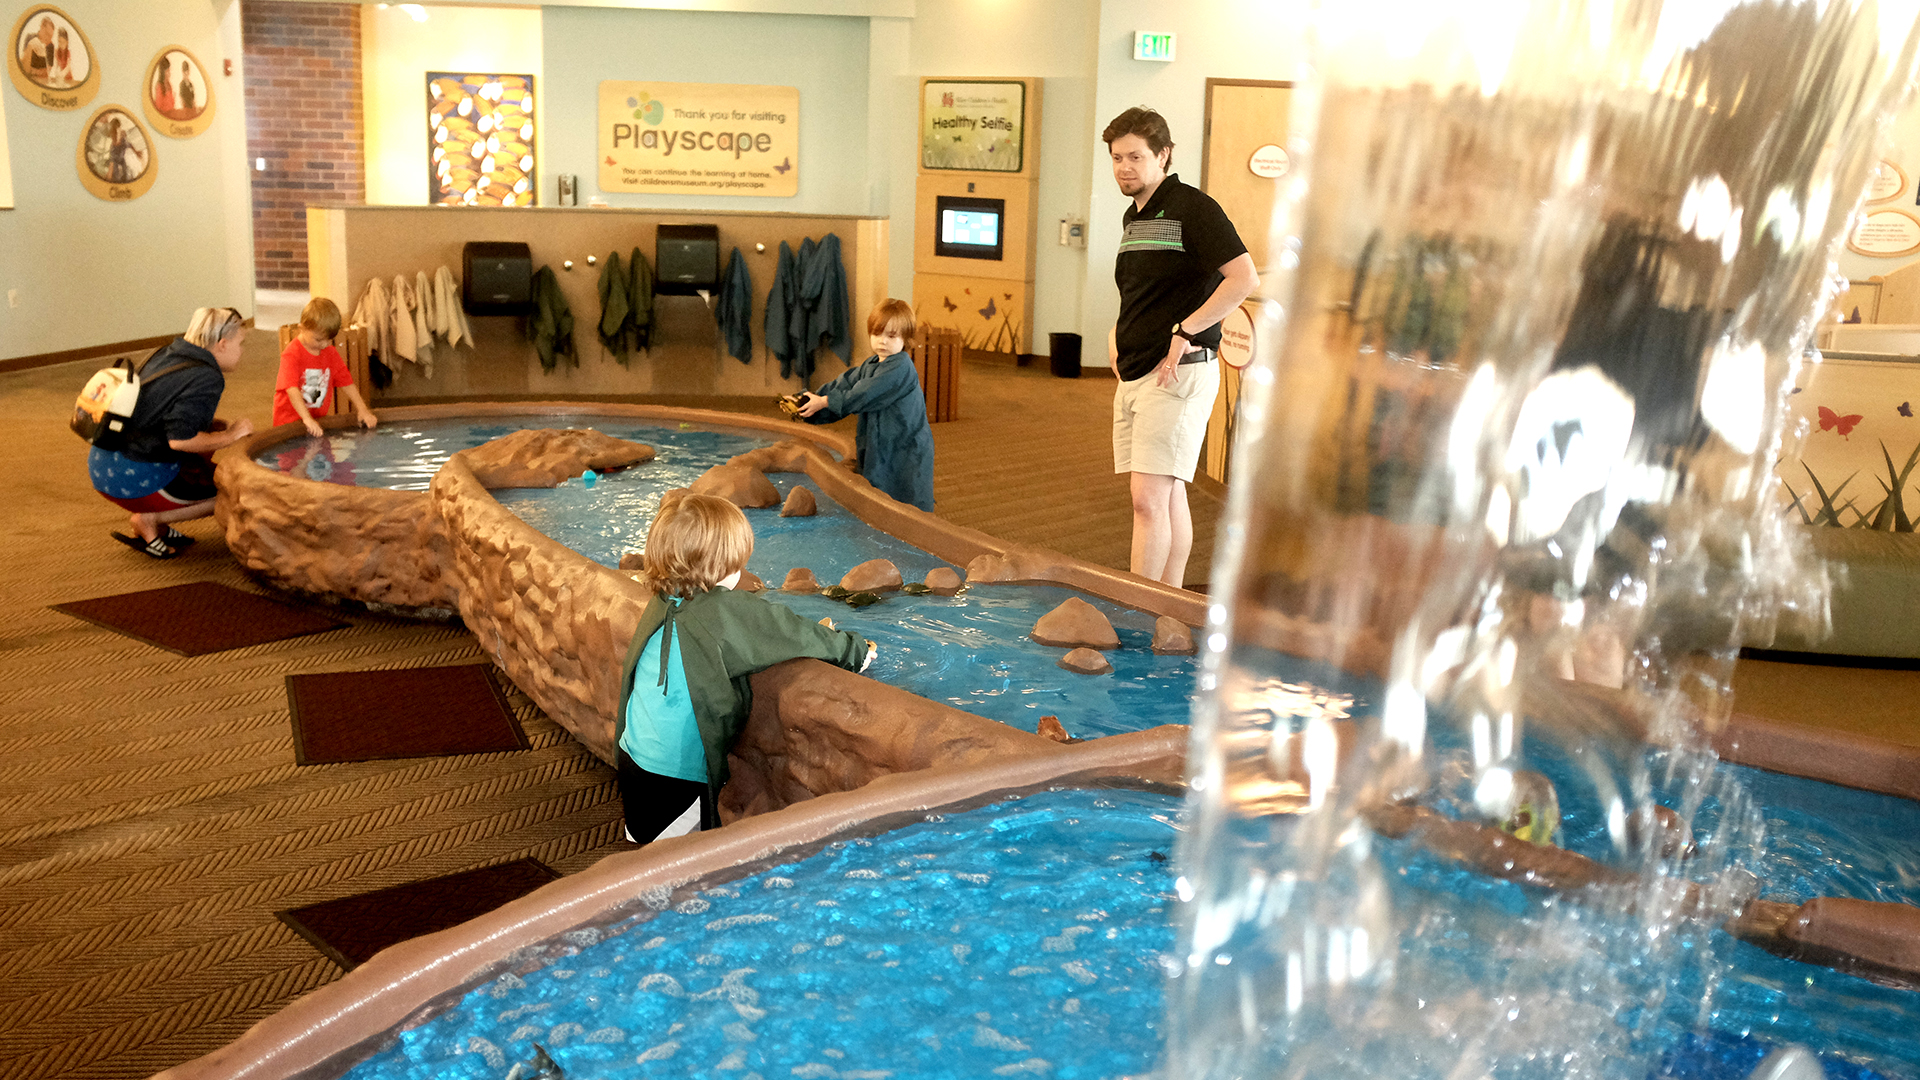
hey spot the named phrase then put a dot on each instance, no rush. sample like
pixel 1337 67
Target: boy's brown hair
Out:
pixel 892 316
pixel 695 542
pixel 1145 123
pixel 321 316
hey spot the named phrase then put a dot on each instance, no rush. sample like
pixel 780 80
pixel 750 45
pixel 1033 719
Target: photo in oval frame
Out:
pixel 116 156
pixel 51 61
pixel 177 95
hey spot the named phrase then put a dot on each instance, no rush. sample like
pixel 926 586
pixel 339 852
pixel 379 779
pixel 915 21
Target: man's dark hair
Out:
pixel 1145 123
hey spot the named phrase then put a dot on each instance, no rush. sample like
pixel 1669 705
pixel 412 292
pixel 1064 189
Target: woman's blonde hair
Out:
pixel 212 325
pixel 695 542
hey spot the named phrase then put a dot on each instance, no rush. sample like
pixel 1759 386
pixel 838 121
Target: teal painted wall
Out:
pixel 88 271
pixel 824 56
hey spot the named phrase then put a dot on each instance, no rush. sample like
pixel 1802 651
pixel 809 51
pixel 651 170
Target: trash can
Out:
pixel 1064 352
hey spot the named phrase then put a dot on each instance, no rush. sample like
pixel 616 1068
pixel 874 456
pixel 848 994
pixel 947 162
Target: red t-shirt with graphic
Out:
pixel 317 375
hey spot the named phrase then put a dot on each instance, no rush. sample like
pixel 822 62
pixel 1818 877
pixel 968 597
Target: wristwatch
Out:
pixel 1181 331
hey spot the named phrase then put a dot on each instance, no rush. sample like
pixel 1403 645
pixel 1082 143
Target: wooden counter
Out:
pixel 349 245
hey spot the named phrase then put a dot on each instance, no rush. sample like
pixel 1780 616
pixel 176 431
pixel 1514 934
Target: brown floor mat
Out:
pixel 199 617
pixel 351 929
pixel 401 713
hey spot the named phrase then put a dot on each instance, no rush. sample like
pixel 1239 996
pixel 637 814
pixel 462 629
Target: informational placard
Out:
pixel 1888 182
pixel 52 63
pixel 178 98
pixel 115 158
pixel 1885 234
pixel 1270 162
pixel 699 138
pixel 1236 338
pixel 974 126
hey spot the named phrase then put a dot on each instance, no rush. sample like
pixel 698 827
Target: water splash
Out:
pixel 1556 263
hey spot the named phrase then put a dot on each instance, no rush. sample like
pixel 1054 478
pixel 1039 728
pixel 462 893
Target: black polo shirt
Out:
pixel 1170 257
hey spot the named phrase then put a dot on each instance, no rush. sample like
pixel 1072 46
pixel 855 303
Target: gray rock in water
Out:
pixel 1171 637
pixel 1075 624
pixel 741 485
pixel 944 580
pixel 1086 662
pixel 874 575
pixel 800 503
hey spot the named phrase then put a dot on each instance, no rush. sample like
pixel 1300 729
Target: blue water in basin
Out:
pixel 971 652
pixel 1021 938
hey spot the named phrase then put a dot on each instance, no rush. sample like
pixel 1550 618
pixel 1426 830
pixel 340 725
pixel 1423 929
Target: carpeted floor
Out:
pixel 152 817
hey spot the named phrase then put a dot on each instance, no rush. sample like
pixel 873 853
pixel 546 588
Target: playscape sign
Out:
pixel 699 138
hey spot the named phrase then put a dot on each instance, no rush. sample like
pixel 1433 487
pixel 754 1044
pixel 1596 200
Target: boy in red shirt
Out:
pixel 311 370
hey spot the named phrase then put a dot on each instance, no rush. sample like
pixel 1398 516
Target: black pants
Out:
pixel 653 802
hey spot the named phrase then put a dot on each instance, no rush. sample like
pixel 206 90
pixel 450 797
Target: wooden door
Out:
pixel 1244 119
pixel 1243 164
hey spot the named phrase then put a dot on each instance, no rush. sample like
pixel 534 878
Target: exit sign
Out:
pixel 1152 46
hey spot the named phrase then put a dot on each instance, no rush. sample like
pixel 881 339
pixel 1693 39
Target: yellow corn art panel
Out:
pixel 480 140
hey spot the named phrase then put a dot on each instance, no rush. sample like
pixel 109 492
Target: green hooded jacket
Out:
pixel 722 638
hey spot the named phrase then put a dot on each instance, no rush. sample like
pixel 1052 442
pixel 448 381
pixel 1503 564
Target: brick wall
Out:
pixel 303 117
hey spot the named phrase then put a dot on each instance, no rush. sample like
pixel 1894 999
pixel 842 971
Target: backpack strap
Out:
pixel 145 381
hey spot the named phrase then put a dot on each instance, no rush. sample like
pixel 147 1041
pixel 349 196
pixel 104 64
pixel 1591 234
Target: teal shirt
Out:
pixel 661 733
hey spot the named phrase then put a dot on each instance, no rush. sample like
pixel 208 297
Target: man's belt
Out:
pixel 1198 356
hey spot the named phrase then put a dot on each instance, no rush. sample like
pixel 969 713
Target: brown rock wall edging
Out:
pixel 366 544
pixel 816 728
pixel 556 622
pixel 1837 757
pixel 344 1022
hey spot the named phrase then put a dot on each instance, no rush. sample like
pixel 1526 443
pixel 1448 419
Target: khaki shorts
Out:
pixel 1159 430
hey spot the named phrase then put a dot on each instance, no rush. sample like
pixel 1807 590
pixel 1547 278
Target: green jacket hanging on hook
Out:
pixel 640 298
pixel 616 309
pixel 550 327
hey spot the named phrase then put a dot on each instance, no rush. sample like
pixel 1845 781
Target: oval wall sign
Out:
pixel 115 158
pixel 1885 234
pixel 51 60
pixel 1270 161
pixel 1236 338
pixel 178 98
pixel 1888 182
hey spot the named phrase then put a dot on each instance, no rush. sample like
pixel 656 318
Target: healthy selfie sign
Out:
pixel 699 138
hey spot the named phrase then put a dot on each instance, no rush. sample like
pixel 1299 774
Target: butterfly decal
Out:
pixel 1829 420
pixel 786 163
pixel 1007 295
pixel 1904 408
pixel 987 312
pixel 951 306
pixel 610 161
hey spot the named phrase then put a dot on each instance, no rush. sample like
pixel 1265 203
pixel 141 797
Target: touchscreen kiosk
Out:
pixel 968 228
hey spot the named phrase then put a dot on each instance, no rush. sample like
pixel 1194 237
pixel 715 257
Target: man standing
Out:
pixel 1180 270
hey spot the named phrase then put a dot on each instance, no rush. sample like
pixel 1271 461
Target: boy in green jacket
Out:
pixel 685 694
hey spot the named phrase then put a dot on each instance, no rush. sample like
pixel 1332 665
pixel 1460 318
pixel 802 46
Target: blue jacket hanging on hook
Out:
pixel 807 307
pixel 733 308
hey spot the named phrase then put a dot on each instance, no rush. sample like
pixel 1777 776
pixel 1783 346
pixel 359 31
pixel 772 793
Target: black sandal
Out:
pixel 156 548
pixel 176 538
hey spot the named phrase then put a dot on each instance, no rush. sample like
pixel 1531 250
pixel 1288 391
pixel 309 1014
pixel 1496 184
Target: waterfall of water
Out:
pixel 1503 493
